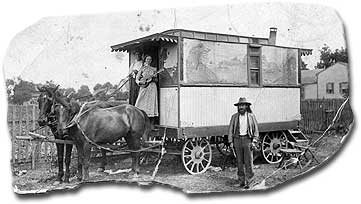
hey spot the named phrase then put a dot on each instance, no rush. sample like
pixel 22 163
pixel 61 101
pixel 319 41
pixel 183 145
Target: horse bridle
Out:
pixel 50 116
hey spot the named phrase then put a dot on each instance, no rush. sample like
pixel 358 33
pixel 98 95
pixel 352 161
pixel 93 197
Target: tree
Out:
pixel 107 85
pixel 97 86
pixel 83 93
pixel 68 91
pixel 10 84
pixel 122 96
pixel 303 65
pixel 22 91
pixel 329 57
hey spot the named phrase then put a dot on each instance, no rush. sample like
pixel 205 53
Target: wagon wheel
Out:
pixel 223 146
pixel 196 155
pixel 272 144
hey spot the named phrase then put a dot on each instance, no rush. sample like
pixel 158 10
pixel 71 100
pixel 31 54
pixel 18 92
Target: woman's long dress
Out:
pixel 148 97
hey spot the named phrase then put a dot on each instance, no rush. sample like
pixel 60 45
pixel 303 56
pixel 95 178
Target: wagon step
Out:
pixel 298 136
pixel 301 141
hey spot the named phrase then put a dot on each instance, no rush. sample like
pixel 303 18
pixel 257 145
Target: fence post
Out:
pixel 12 134
pixel 27 128
pixel 21 142
pixel 35 144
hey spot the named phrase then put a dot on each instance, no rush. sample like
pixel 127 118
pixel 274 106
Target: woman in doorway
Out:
pixel 148 95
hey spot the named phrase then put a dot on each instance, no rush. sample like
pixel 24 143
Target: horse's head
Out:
pixel 46 107
pixel 66 114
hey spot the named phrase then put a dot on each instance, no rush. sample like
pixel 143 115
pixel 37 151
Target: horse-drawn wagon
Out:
pixel 205 73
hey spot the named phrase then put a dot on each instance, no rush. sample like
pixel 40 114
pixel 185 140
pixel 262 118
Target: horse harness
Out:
pixel 76 119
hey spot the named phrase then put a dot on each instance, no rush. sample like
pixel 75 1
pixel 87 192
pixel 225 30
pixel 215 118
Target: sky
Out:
pixel 75 50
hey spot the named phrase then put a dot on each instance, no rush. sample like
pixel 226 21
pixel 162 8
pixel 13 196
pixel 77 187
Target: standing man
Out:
pixel 133 70
pixel 243 131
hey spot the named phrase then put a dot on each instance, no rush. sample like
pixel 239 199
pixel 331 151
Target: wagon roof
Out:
pixel 172 37
pixel 150 38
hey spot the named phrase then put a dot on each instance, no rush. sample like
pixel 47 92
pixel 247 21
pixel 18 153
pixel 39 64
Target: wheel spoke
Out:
pixel 192 167
pixel 272 157
pixel 186 148
pixel 268 149
pixel 270 153
pixel 197 167
pixel 203 148
pixel 188 162
pixel 267 143
pixel 196 143
pixel 191 142
pixel 202 165
pixel 203 141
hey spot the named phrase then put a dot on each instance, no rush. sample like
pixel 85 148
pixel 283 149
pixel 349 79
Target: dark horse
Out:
pixel 102 125
pixel 47 117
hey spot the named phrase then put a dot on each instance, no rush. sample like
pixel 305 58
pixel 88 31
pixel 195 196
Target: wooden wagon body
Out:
pixel 206 73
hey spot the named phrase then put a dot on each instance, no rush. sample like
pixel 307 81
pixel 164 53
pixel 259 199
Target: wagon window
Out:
pixel 207 62
pixel 279 66
pixel 168 60
pixel 254 65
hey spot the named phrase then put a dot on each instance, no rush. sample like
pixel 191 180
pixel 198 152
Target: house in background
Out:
pixel 329 83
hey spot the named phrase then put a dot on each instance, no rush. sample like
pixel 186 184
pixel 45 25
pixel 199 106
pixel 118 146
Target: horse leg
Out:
pixel 80 151
pixel 60 154
pixel 103 162
pixel 86 159
pixel 134 145
pixel 68 150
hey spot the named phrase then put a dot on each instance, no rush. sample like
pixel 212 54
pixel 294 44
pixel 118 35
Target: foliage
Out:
pixel 68 92
pixel 83 93
pixel 20 91
pixel 329 57
pixel 97 87
pixel 10 83
pixel 303 65
pixel 107 85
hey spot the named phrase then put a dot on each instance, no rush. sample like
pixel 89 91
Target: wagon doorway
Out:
pixel 138 55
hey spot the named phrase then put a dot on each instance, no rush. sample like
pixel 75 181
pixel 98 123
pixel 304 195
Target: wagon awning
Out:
pixel 135 43
pixel 306 52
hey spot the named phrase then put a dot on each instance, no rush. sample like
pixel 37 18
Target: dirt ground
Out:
pixel 220 177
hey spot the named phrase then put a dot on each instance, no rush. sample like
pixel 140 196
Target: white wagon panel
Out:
pixel 213 106
pixel 168 106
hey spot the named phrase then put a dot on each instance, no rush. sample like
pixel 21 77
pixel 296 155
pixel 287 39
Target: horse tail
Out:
pixel 147 126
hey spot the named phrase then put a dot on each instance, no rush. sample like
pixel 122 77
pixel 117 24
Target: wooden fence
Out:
pixel 22 119
pixel 317 115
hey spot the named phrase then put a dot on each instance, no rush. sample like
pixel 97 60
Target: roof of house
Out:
pixel 309 76
pixel 336 64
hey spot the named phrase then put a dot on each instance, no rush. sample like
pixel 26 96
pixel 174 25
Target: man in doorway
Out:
pixel 243 132
pixel 133 70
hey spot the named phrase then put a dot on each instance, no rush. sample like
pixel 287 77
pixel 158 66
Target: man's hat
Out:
pixel 242 100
